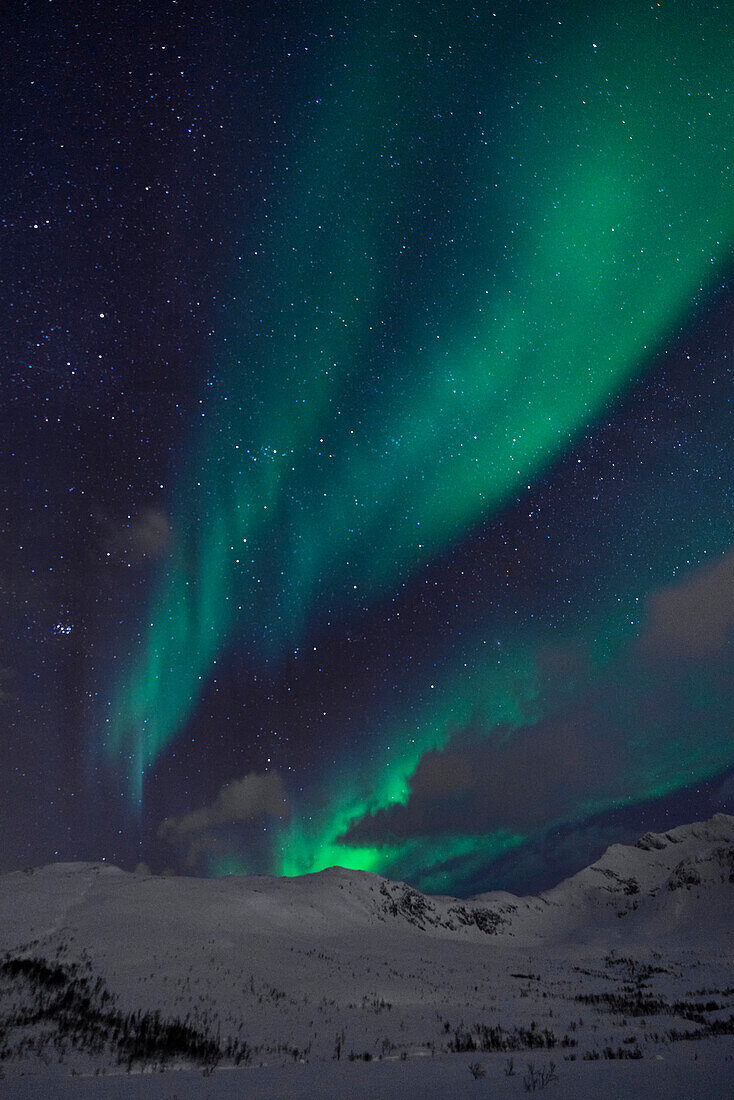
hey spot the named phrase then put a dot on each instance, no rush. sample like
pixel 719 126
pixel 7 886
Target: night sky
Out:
pixel 367 436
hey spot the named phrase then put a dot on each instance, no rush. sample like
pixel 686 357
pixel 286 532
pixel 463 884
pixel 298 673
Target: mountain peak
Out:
pixel 718 827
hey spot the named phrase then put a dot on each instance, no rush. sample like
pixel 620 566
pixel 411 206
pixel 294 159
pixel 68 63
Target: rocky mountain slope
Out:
pixel 658 882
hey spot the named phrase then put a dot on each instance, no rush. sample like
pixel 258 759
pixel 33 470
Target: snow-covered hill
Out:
pixel 106 968
pixel 650 879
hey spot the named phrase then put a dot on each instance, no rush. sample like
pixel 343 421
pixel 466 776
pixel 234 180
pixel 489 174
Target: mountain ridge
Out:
pixel 635 880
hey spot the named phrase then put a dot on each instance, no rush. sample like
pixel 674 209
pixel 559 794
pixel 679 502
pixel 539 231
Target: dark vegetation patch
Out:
pixel 482 1037
pixel 631 1002
pixel 45 1004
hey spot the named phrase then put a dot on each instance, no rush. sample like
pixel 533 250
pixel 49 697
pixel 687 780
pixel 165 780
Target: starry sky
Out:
pixel 367 449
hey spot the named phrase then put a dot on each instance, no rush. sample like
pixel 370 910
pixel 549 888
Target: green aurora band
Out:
pixel 493 694
pixel 471 249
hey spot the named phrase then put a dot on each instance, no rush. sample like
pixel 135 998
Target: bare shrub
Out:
pixel 539 1078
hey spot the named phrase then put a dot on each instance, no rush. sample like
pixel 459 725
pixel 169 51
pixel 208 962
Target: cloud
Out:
pixel 723 798
pixel 655 718
pixel 241 801
pixel 137 538
pixel 149 533
pixel 694 618
pixel 501 780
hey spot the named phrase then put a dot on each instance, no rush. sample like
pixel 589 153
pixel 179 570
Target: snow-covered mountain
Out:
pixel 663 879
pixel 670 885
pixel 103 967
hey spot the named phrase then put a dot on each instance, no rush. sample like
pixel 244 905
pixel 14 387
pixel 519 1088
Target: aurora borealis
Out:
pixel 423 426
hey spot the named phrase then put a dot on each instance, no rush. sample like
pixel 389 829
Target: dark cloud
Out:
pixel 241 801
pixel 656 717
pixel 549 857
pixel 694 618
pixel 723 797
pixel 508 779
pixel 562 671
pixel 136 538
pixel 149 533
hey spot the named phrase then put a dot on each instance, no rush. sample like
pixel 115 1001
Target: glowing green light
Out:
pixel 362 434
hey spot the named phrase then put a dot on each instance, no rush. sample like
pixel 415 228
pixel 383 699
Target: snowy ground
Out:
pixel 689 1071
pixel 343 984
